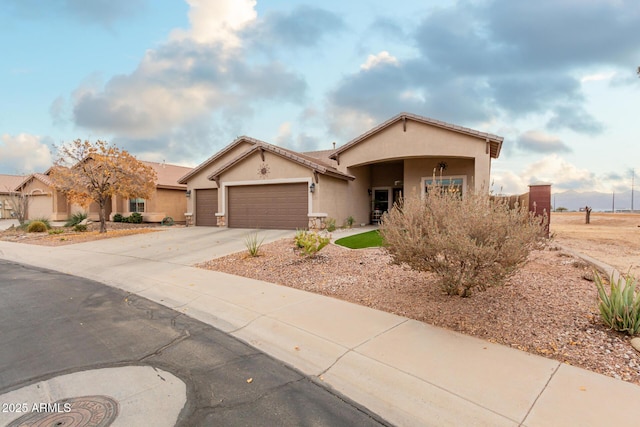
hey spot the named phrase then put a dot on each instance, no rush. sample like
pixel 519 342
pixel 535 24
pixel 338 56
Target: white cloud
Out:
pixel 24 153
pixel 348 123
pixel 381 58
pixel 598 77
pixel 553 169
pixel 185 82
pixel 541 142
pixel 217 21
pixel 284 137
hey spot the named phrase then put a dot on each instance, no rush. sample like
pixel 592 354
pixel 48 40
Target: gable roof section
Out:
pixel 312 163
pixel 168 175
pixel 216 156
pixel 9 183
pixel 39 176
pixel 494 140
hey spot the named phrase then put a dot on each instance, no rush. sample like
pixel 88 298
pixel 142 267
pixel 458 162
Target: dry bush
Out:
pixel 470 243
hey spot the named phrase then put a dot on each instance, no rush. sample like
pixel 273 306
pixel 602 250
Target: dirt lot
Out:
pixel 611 238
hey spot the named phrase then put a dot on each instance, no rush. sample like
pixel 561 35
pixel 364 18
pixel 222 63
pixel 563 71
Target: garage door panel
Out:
pixel 206 207
pixel 271 206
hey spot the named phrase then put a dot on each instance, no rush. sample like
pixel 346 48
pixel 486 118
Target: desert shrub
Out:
pixel 135 218
pixel 36 226
pixel 56 231
pixel 43 220
pixel 310 242
pixel 620 309
pixel 469 242
pixel 298 237
pixel 330 223
pixel 80 227
pixel 118 218
pixel 167 220
pixel 75 219
pixel 253 244
pixel 349 221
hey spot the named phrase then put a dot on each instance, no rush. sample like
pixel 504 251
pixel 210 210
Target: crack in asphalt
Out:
pixel 183 336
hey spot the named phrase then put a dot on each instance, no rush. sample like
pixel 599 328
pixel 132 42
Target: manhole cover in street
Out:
pixel 86 411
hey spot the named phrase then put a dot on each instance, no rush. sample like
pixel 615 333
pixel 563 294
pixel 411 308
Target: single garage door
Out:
pixel 272 206
pixel 206 207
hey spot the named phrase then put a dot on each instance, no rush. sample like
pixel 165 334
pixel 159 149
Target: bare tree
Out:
pixel 19 202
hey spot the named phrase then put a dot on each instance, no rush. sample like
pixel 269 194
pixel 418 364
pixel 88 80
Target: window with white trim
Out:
pixel 452 184
pixel 136 205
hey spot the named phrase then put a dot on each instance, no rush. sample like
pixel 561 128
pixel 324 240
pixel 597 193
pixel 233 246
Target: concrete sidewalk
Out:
pixel 408 372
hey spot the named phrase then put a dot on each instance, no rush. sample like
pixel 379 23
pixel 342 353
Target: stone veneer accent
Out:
pixel 317 223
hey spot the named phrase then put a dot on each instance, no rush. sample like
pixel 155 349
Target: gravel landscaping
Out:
pixel 549 307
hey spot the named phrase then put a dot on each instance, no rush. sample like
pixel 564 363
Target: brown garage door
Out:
pixel 206 206
pixel 272 206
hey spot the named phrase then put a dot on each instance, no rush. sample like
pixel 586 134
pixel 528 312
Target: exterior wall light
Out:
pixel 188 193
pixel 312 187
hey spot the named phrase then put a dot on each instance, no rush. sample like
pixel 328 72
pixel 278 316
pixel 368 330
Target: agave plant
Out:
pixel 620 309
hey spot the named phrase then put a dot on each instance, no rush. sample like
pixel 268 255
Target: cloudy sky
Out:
pixel 177 80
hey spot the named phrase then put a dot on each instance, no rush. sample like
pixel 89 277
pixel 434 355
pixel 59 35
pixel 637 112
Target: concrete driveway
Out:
pixel 7 223
pixel 184 246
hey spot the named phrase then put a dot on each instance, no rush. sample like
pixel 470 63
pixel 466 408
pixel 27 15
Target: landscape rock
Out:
pixel 635 343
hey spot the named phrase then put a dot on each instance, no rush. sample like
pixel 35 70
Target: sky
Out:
pixel 177 80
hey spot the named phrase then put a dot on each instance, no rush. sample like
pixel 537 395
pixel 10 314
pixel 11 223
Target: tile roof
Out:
pixel 45 179
pixel 9 183
pixel 168 175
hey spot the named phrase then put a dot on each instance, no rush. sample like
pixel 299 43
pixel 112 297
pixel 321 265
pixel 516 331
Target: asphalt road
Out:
pixel 52 324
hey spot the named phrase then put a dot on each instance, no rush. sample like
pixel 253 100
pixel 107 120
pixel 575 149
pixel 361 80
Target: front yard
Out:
pixel 548 308
pixel 66 235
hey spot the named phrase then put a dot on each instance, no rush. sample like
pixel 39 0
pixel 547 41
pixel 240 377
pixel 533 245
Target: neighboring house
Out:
pixel 8 184
pixel 253 184
pixel 168 198
pixel 44 200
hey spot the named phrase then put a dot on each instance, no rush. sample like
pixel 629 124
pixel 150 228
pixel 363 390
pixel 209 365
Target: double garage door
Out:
pixel 271 206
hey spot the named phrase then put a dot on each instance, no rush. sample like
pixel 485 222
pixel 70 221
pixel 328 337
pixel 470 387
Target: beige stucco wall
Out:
pixel 416 169
pixel 279 168
pixel 171 203
pixel 331 197
pixel 41 200
pixel 358 200
pixel 419 140
pixel 163 202
pixel 7 207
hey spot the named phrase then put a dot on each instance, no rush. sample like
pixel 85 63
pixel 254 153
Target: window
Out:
pixel 452 184
pixel 136 205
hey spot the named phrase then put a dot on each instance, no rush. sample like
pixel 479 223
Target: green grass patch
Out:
pixel 370 239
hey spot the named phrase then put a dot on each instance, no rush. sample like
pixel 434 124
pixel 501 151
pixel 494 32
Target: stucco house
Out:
pixel 168 198
pixel 254 184
pixel 8 184
pixel 44 200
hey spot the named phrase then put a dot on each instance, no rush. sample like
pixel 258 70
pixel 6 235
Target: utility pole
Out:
pixel 613 202
pixel 633 176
